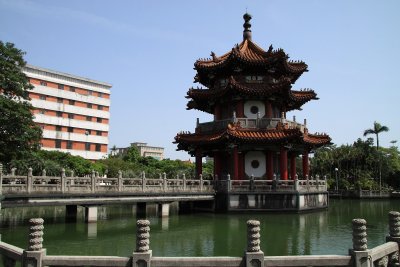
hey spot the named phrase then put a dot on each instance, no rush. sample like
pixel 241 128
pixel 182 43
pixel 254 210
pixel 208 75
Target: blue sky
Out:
pixel 146 50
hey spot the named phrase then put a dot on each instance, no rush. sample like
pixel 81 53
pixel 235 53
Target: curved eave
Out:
pixel 299 98
pixel 317 140
pixel 233 85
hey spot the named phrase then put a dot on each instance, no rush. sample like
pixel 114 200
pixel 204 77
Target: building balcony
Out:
pixel 249 123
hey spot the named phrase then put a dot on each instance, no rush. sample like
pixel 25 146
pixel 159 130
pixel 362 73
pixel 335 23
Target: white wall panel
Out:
pixel 40 89
pixel 75 137
pixel 43 104
pixel 41 118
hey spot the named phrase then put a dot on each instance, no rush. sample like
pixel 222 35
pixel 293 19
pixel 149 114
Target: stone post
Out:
pixel 184 181
pixel 201 182
pixel 360 248
pixel 29 180
pixel 13 170
pixel 228 182
pixel 394 227
pixel 165 181
pixel 142 255
pixel 93 180
pixel 254 255
pixel 32 257
pixel 72 181
pixel 119 181
pixel 252 182
pixel 63 180
pixel 394 236
pixel 143 181
pixel 44 173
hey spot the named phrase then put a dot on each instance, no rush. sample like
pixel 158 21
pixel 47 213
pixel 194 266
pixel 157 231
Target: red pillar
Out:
pixel 217 164
pixel 293 166
pixel 217 112
pixel 283 164
pixel 241 166
pixel 270 165
pixel 268 107
pixel 240 109
pixel 306 169
pixel 235 164
pixel 199 163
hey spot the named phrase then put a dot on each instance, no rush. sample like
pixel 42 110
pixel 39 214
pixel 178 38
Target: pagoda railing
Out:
pixel 271 185
pixel 249 123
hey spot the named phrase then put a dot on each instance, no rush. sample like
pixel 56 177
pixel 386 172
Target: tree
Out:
pixel 19 135
pixel 378 128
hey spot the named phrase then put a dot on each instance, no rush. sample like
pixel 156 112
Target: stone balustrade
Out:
pixel 385 255
pixel 271 185
pixel 13 184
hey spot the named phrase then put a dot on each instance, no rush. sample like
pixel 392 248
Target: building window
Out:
pixel 58 143
pixel 70 116
pixel 61 86
pixel 70 129
pixel 88 105
pixel 99 107
pixel 42 111
pixel 42 97
pixel 71 102
pixel 58 128
pixel 72 89
pixel 99 120
pixel 59 114
pixel 89 118
pixel 100 94
pixel 98 133
pixel 87 146
pixel 89 92
pixel 43 83
pixel 98 147
pixel 88 132
pixel 69 144
pixel 59 100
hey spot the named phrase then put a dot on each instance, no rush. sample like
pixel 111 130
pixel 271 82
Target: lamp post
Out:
pixel 337 183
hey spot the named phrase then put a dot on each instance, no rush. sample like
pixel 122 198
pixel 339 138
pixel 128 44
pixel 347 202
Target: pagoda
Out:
pixel 249 92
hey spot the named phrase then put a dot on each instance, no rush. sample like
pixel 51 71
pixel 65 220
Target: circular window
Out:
pixel 255 164
pixel 254 109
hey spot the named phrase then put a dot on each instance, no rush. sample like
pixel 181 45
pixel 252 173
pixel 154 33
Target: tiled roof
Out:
pixel 235 132
pixel 250 53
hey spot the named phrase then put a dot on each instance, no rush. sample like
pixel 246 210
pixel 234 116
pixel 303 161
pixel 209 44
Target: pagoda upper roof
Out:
pixel 294 99
pixel 249 54
pixel 234 132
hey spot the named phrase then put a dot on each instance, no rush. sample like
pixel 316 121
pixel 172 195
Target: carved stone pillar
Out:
pixel 254 255
pixel 142 255
pixel 33 256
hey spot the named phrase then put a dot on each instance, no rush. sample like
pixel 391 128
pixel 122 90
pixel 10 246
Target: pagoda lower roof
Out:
pixel 234 133
pixel 295 99
pixel 250 54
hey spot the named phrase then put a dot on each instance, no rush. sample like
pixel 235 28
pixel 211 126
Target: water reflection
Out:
pixel 200 234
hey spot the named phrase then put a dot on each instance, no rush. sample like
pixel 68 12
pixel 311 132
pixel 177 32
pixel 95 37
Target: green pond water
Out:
pixel 201 234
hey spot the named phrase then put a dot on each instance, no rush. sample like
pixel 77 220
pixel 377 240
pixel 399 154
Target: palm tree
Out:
pixel 378 128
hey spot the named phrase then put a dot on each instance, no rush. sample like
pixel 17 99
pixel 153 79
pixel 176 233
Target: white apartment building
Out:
pixel 74 112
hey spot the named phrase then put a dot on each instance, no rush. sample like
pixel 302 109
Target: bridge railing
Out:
pixel 12 184
pixel 385 255
pixel 228 185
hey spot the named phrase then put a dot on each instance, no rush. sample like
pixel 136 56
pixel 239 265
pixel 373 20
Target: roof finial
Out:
pixel 247 26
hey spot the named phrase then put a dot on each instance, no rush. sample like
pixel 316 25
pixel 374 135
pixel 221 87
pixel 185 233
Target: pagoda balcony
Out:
pixel 257 123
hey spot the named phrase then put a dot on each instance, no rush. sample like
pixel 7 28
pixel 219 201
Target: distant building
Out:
pixel 144 150
pixel 72 111
pixel 149 151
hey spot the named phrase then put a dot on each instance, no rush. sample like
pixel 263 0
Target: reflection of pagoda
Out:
pixel 249 93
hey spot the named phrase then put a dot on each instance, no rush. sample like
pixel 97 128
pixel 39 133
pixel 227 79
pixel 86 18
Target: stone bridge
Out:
pixel 223 195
